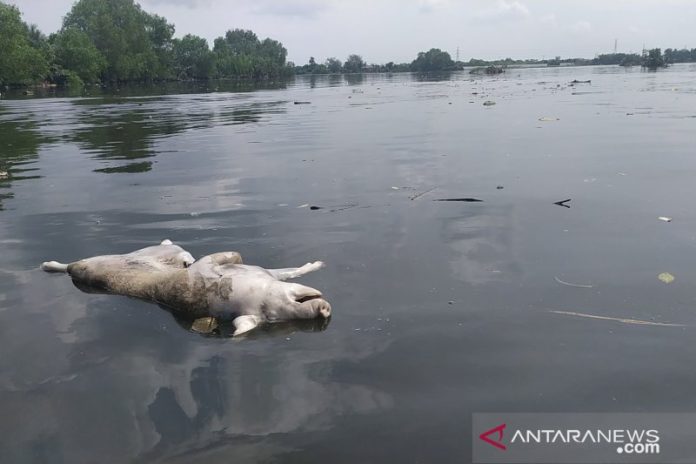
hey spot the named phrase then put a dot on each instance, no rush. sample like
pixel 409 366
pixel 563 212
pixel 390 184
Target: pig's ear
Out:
pixel 302 293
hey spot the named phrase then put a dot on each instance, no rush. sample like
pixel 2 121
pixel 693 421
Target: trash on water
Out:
pixel 563 203
pixel 420 194
pixel 204 325
pixel 563 282
pixel 575 81
pixel 334 208
pixel 488 103
pixel 467 199
pixel 306 205
pixel 302 103
pixel 4 175
pixel 548 119
pixel 665 218
pixel 666 277
pixel 623 320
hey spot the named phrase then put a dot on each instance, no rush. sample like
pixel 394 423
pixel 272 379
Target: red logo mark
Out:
pixel 498 443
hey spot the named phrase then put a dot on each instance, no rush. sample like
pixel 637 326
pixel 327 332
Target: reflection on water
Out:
pixel 441 309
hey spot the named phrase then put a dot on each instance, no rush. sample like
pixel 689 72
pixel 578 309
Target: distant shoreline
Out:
pixel 180 87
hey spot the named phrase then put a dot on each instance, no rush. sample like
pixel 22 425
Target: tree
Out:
pixel 192 58
pixel 74 51
pixel 20 62
pixel 432 60
pixel 273 51
pixel 623 59
pixel 160 33
pixel 353 64
pixel 654 59
pixel 39 41
pixel 132 42
pixel 241 54
pixel 333 65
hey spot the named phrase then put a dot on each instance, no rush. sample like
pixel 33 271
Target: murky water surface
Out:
pixel 441 309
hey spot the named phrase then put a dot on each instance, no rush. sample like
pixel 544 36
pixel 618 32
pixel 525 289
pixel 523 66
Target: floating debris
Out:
pixel 571 285
pixel 306 205
pixel 420 194
pixel 575 81
pixel 617 319
pixel 488 103
pixel 302 103
pixel 499 187
pixel 665 218
pixel 490 70
pixel 666 277
pixel 469 200
pixel 204 325
pixel 334 209
pixel 4 174
pixel 548 119
pixel 563 203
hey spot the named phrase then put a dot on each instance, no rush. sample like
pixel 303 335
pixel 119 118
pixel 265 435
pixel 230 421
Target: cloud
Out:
pixel 185 3
pixel 505 10
pixel 290 8
pixel 426 6
pixel 297 9
pixel 549 20
pixel 581 27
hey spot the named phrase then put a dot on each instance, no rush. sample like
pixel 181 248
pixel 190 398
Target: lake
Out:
pixel 441 309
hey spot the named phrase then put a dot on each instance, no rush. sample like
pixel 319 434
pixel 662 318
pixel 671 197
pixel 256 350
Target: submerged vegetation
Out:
pixel 110 41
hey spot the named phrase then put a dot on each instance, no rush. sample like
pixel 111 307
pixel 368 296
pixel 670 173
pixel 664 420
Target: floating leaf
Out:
pixel 666 277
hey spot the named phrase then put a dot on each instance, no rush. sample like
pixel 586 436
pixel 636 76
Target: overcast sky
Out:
pixel 395 30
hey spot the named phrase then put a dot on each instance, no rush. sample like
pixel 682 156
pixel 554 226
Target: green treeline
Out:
pixel 432 60
pixel 117 41
pixel 651 59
